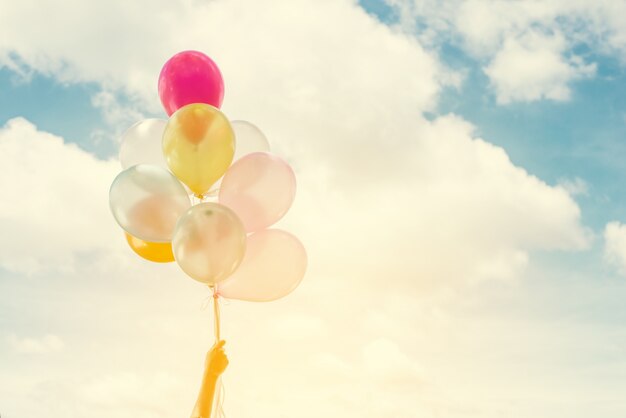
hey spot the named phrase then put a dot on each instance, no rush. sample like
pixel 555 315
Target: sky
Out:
pixel 460 173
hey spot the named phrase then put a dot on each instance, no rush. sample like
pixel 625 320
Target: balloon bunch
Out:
pixel 203 191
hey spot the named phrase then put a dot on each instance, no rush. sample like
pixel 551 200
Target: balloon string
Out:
pixel 221 391
pixel 216 315
pixel 219 402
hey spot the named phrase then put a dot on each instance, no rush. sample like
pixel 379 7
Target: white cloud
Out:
pixel 128 393
pixel 487 25
pixel 615 245
pixel 111 111
pixel 55 201
pixel 385 360
pixel 533 68
pixel 575 186
pixel 298 327
pixel 448 197
pixel 46 344
pixel 523 66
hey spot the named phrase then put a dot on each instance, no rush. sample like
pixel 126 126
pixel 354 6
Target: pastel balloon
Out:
pixel 146 201
pixel 274 265
pixel 158 252
pixel 142 144
pixel 198 144
pixel 260 188
pixel 248 139
pixel 209 242
pixel 190 77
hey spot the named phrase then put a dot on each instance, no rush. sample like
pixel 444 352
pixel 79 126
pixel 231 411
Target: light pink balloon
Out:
pixel 274 265
pixel 260 188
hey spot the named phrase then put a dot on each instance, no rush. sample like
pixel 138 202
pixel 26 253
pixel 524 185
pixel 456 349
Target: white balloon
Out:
pixel 142 144
pixel 248 139
pixel 147 201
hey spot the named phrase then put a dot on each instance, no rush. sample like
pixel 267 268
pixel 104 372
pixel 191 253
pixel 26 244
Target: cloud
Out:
pixel 298 327
pixel 385 360
pixel 575 186
pixel 615 245
pixel 46 344
pixel 450 196
pixel 118 115
pixel 531 47
pixel 534 68
pixel 125 392
pixel 55 208
pixel 485 26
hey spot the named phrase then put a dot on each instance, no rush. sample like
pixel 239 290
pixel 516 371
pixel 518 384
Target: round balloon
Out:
pixel 158 252
pixel 209 242
pixel 146 201
pixel 142 144
pixel 190 77
pixel 248 139
pixel 260 188
pixel 274 265
pixel 198 144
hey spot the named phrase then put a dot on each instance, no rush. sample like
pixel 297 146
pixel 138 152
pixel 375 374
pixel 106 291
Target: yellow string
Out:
pixel 219 401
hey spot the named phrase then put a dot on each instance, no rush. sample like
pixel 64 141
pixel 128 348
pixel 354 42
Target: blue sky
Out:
pixel 479 284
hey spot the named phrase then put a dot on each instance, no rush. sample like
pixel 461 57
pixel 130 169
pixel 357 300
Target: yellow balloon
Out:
pixel 198 144
pixel 159 252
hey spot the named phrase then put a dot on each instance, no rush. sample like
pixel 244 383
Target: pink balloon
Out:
pixel 190 77
pixel 274 265
pixel 260 188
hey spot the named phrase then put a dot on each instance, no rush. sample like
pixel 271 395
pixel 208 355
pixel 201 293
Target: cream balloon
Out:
pixel 142 144
pixel 274 265
pixel 209 242
pixel 248 139
pixel 146 201
pixel 260 188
